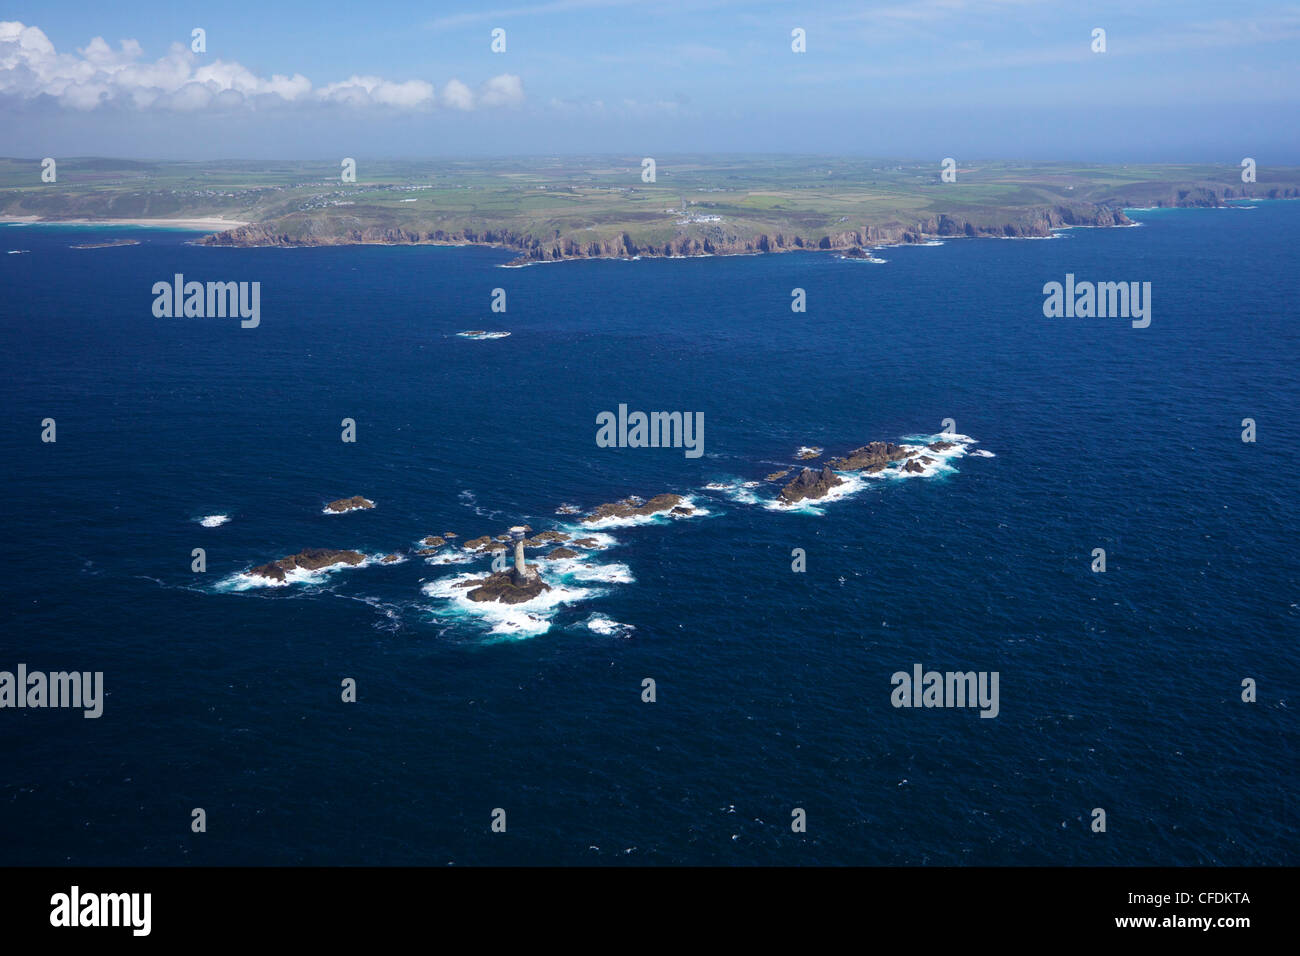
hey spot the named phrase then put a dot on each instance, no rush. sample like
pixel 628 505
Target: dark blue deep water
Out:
pixel 1118 690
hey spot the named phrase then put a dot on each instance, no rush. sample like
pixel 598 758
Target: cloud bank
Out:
pixel 97 76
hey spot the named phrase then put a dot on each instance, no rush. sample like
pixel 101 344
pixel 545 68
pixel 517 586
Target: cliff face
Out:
pixel 1033 222
pixel 307 232
pixel 1215 194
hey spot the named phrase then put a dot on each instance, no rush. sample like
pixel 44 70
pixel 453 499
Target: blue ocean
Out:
pixel 1120 690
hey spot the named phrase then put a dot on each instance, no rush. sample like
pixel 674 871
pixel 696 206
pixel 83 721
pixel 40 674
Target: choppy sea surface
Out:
pixel 1118 690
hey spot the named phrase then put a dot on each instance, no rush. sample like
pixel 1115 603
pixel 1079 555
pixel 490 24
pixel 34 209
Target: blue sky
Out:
pixel 1182 80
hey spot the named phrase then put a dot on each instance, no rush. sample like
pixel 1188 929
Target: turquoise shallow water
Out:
pixel 1117 690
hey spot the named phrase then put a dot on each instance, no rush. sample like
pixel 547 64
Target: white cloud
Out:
pixel 98 75
pixel 457 95
pixel 504 90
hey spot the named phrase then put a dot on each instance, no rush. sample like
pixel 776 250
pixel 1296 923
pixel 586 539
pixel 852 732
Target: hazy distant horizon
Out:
pixel 665 158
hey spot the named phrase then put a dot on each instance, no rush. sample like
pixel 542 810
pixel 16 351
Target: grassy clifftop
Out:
pixel 552 208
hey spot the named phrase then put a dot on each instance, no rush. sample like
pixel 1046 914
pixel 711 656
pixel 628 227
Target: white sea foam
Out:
pixel 477 334
pixel 581 533
pixel 529 619
pixel 470 500
pixel 19 252
pixel 607 628
pixel 452 555
pixel 738 491
pixel 658 517
pixel 243 581
pixel 579 570
pixel 856 481
pixel 366 507
pixel 981 453
pixel 942 458
pixel 214 521
pixel 851 484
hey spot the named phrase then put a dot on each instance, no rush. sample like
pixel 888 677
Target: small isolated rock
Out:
pixel 355 503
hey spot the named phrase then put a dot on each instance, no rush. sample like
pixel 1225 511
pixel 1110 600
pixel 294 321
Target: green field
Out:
pixel 550 207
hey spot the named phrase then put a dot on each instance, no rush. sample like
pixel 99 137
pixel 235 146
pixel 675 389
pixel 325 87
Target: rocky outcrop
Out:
pixel 433 541
pixel 870 458
pixel 810 484
pixel 1202 195
pixel 941 445
pixel 778 475
pixel 634 507
pixel 559 553
pixel 505 588
pixel 544 538
pixel 312 559
pixel 355 503
pixel 390 559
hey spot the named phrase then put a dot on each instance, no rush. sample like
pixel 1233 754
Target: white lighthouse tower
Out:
pixel 517 534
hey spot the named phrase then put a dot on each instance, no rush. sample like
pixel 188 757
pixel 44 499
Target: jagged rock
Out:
pixel 433 541
pixel 355 503
pixel 474 544
pixel 778 475
pixel 585 543
pixel 914 467
pixel 808 453
pixel 941 445
pixel 682 510
pixel 875 453
pixel 633 507
pixel 503 587
pixel 544 538
pixel 312 559
pixel 559 553
pixel 810 484
pixel 391 558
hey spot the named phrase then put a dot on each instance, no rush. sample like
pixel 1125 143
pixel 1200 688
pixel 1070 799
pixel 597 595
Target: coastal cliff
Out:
pixel 301 230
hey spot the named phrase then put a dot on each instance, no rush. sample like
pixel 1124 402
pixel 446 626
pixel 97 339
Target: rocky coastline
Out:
pixel 297 230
